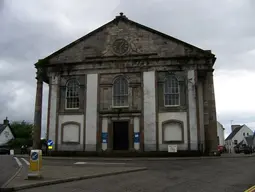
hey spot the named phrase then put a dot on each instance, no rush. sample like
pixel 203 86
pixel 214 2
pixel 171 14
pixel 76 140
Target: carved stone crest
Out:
pixel 120 46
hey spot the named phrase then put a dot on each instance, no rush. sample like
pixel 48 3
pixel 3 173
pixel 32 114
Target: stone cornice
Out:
pixel 139 59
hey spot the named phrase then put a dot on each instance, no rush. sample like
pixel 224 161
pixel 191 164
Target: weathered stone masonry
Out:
pixel 125 48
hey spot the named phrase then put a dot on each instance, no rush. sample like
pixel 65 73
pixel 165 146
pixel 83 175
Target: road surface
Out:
pixel 8 167
pixel 208 175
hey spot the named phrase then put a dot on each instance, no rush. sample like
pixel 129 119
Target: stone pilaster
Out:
pixel 210 114
pixel 38 113
pixel 206 114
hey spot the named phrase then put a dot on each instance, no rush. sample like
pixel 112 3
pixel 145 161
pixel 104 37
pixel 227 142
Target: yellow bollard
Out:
pixel 35 164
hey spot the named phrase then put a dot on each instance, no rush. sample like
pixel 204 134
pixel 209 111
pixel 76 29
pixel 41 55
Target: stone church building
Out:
pixel 127 87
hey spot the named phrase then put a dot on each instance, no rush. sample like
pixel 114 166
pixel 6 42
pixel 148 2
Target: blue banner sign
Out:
pixel 104 137
pixel 136 137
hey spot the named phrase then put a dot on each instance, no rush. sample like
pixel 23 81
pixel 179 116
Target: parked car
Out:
pixel 221 149
pixel 247 149
pixel 239 149
pixel 27 149
pixel 243 149
pixel 4 151
pixel 24 149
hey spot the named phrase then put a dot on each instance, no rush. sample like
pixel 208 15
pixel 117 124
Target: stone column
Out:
pixel 38 113
pixel 210 114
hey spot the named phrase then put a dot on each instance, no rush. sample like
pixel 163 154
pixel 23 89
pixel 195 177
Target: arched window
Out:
pixel 120 92
pixel 72 94
pixel 171 91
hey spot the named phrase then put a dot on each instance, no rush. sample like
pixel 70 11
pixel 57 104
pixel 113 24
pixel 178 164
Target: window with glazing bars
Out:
pixel 171 91
pixel 120 92
pixel 72 94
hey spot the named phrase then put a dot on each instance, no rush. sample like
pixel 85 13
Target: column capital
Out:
pixel 39 73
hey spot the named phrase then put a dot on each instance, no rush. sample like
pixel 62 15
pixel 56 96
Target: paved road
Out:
pixel 8 167
pixel 208 175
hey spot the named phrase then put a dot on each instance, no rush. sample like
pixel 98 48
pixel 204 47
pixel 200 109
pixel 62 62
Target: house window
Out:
pixel 243 134
pixel 247 134
pixel 72 94
pixel 120 92
pixel 235 142
pixel 171 91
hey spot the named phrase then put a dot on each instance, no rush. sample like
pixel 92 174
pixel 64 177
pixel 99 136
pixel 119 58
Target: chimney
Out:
pixel 234 126
pixel 6 121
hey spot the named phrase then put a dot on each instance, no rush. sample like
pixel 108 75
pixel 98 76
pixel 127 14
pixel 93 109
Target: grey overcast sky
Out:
pixel 30 30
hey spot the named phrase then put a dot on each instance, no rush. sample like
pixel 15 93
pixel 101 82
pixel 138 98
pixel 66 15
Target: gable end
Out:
pixel 116 21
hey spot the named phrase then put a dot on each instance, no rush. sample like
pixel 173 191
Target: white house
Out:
pixel 238 134
pixel 5 133
pixel 220 134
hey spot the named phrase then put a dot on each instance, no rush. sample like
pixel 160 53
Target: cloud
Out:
pixel 225 27
pixel 234 98
pixel 31 30
pixel 233 92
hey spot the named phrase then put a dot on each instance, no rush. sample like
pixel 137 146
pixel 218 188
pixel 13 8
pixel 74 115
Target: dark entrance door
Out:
pixel 120 135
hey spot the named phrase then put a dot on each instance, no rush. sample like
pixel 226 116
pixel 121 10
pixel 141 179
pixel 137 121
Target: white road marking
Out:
pixel 97 163
pixel 102 163
pixel 80 163
pixel 25 161
pixel 18 161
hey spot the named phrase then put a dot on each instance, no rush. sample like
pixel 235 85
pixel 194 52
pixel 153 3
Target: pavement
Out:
pixel 8 168
pixel 59 173
pixel 201 174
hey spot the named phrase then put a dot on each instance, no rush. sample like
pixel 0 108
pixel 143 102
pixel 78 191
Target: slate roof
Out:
pixel 234 132
pixel 2 127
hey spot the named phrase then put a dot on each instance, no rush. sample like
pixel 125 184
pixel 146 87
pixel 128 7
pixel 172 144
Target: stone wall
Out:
pixel 133 40
pixel 210 119
pixel 135 91
pixel 143 56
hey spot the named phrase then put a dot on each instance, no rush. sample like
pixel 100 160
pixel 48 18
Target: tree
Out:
pixel 22 132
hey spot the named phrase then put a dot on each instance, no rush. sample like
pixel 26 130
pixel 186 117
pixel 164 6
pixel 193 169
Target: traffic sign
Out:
pixel 50 142
pixel 34 156
pixel 35 164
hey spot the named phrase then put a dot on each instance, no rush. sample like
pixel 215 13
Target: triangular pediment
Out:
pixel 123 37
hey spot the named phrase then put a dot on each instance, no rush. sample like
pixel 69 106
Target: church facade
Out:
pixel 127 87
